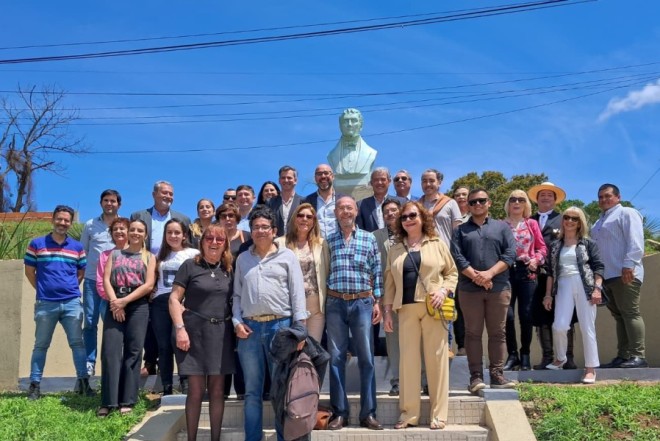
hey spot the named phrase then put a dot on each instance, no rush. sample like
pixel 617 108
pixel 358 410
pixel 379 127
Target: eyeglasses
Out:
pixel 323 173
pixel 513 200
pixel 480 201
pixel 226 216
pixel 305 216
pixel 261 228
pixel 401 178
pixel 571 218
pixel 211 239
pixel 409 216
pixel 229 198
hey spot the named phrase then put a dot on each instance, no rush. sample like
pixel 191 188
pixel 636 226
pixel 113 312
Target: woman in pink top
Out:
pixel 119 234
pixel 530 255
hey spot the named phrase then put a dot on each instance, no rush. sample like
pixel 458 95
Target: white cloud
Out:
pixel 636 99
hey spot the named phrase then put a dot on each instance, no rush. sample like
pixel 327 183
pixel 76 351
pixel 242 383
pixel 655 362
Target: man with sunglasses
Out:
pixel 619 233
pixel 403 184
pixel 284 204
pixel 229 195
pixel 484 249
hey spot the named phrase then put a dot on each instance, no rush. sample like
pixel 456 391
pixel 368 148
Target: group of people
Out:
pixel 216 291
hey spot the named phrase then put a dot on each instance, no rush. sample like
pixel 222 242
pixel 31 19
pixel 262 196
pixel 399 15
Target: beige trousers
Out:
pixel 316 321
pixel 417 327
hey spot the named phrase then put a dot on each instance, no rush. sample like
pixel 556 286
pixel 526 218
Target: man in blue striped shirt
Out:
pixel 619 233
pixel 354 289
pixel 54 266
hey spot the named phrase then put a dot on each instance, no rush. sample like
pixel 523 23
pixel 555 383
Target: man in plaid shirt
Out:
pixel 354 290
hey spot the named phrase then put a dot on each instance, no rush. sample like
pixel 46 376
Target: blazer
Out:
pixel 145 215
pixel 367 218
pixel 275 204
pixel 437 270
pixel 588 261
pixel 321 255
pixel 550 233
pixel 383 239
pixel 313 198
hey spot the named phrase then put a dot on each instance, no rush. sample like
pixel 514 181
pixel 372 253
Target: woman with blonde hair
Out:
pixel 530 255
pixel 419 264
pixel 575 280
pixel 304 239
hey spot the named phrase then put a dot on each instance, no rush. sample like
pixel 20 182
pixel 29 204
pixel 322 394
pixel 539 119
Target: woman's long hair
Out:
pixel 428 225
pixel 314 236
pixel 165 248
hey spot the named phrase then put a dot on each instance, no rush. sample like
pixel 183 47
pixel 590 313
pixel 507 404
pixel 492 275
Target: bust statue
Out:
pixel 352 159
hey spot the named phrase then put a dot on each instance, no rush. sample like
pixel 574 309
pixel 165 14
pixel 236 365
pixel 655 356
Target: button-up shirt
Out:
pixel 96 239
pixel 272 285
pixel 481 247
pixel 619 233
pixel 158 222
pixel 355 265
pixel 325 212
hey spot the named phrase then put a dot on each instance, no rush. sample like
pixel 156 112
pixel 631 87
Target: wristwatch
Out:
pixel 181 326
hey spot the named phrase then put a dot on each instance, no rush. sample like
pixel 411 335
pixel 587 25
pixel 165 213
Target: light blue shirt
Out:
pixel 158 222
pixel 325 212
pixel 96 239
pixel 619 233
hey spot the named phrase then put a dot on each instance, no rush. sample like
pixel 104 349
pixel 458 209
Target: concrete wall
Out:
pixel 17 327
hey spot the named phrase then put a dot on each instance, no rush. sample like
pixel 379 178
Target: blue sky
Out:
pixel 462 71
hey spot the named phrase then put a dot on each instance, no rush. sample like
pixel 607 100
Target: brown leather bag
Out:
pixel 323 416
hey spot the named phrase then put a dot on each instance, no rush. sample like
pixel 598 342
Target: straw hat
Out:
pixel 559 193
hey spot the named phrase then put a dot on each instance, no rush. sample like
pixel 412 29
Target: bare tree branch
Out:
pixel 29 134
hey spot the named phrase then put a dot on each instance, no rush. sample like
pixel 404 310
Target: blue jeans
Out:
pixel 94 308
pixel 340 316
pixel 46 315
pixel 254 353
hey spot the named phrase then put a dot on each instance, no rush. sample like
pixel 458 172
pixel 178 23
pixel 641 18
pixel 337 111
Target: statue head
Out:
pixel 350 123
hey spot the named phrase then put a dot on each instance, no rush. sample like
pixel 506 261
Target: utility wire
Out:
pixel 648 181
pixel 487 12
pixel 391 132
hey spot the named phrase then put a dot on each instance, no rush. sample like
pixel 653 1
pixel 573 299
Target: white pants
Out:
pixel 570 294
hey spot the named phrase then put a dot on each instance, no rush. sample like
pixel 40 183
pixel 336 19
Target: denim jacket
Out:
pixel 588 259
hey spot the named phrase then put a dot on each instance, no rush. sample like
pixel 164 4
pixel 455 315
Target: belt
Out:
pixel 343 296
pixel 266 317
pixel 123 291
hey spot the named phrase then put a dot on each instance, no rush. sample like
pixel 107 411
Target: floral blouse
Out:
pixel 529 241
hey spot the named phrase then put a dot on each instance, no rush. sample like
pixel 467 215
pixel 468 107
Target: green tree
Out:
pixel 498 186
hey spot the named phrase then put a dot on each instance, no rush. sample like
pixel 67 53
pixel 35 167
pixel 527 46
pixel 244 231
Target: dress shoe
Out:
pixel 337 423
pixel 615 363
pixel 394 392
pixel 589 378
pixel 371 423
pixel 34 393
pixel 525 362
pixel 570 363
pixel 512 363
pixel 634 362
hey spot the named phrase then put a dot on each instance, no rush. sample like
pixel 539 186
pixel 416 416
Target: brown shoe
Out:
pixel 337 423
pixel 371 423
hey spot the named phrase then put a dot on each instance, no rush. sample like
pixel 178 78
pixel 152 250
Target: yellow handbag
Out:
pixel 447 312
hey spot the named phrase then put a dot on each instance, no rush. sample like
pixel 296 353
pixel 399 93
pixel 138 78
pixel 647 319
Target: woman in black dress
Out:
pixel 204 344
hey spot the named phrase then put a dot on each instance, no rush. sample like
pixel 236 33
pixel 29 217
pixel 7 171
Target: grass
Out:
pixel 626 411
pixel 63 416
pixel 15 236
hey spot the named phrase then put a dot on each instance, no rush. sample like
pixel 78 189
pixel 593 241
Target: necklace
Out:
pixel 414 245
pixel 212 270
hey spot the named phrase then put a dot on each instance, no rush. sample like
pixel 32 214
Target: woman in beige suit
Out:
pixel 304 238
pixel 419 263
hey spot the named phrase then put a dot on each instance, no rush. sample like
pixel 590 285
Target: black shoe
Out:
pixel 371 423
pixel 634 362
pixel 167 389
pixel 34 392
pixel 512 363
pixel 394 392
pixel 525 362
pixel 570 363
pixel 337 423
pixel 266 397
pixel 425 390
pixel 82 387
pixel 544 362
pixel 615 363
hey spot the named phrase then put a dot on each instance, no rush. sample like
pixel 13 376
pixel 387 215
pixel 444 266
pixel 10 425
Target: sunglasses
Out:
pixel 229 198
pixel 401 178
pixel 211 239
pixel 513 200
pixel 571 218
pixel 305 216
pixel 409 216
pixel 480 201
pixel 226 216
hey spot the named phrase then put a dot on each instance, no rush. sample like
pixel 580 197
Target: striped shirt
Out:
pixel 57 267
pixel 354 266
pixel 619 233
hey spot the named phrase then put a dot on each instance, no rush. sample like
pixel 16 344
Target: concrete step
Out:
pixel 450 433
pixel 464 409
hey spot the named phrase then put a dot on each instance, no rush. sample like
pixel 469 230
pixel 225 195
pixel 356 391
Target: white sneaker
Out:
pixel 91 369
